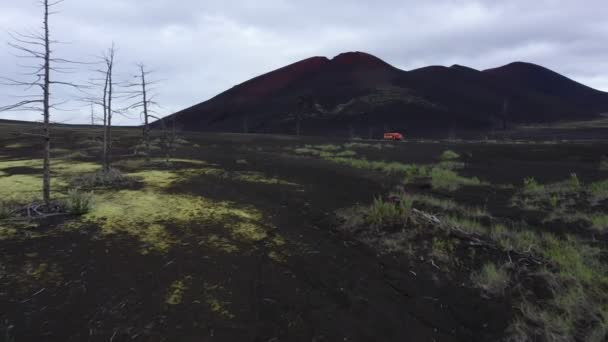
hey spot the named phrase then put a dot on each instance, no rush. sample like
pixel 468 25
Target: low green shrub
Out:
pixel 383 213
pixel 449 155
pixel 78 202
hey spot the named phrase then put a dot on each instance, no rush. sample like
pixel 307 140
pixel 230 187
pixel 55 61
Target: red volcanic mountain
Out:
pixel 358 92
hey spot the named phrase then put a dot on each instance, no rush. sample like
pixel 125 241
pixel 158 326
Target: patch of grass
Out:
pixel 514 239
pixel 491 279
pixel 449 205
pixel 442 249
pixel 346 153
pixel 78 202
pixel 466 224
pixel 383 213
pixel 449 155
pixel 213 296
pixel 578 309
pixel 599 222
pixel 450 180
pixel 576 260
pixel 598 190
pixel 451 165
pixel 538 196
pixel 383 166
pixel 532 186
pixel 306 150
pixel 258 177
pixel 363 145
pixel 413 172
pixel 175 293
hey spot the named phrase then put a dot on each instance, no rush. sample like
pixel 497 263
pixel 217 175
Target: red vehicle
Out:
pixel 393 136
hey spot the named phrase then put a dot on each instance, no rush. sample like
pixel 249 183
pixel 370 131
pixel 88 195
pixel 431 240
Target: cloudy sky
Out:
pixel 200 48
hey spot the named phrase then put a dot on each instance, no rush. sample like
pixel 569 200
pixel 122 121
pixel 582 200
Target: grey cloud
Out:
pixel 201 48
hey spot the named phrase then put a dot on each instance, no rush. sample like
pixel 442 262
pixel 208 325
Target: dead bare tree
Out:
pixel 92 115
pixel 104 84
pixel 38 47
pixel 108 93
pixel 141 92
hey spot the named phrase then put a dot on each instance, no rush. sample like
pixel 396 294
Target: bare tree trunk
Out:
pixel 107 102
pixel 105 124
pixel 46 167
pixel 146 118
pixel 109 126
pixel 92 116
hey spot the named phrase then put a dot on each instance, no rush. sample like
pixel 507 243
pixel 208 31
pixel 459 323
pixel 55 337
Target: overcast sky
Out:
pixel 201 48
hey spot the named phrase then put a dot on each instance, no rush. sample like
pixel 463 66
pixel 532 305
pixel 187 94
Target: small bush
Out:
pixel 388 213
pixel 111 178
pixel 449 155
pixel 532 186
pixel 554 201
pixel 574 182
pixel 78 202
pixel 491 279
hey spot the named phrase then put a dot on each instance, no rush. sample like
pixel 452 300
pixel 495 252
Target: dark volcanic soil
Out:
pixel 82 285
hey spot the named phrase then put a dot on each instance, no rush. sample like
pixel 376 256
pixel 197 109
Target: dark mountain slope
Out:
pixel 355 92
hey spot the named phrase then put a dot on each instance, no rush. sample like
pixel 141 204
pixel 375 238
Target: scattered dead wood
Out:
pixel 37 210
pixel 472 239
